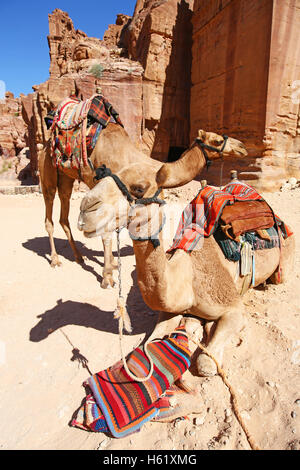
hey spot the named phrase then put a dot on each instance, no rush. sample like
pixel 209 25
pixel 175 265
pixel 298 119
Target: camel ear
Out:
pixel 202 134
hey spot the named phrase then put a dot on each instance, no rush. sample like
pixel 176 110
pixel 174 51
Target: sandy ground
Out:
pixel 53 321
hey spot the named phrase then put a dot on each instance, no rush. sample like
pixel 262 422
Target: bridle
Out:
pixel 103 172
pixel 205 147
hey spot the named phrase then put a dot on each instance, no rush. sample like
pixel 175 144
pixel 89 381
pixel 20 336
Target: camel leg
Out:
pixel 65 185
pixel 108 262
pixel 229 324
pixel 48 179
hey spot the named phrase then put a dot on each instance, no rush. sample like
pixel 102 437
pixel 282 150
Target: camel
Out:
pixel 202 283
pixel 114 149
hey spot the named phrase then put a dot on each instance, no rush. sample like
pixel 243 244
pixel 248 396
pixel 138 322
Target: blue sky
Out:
pixel 24 28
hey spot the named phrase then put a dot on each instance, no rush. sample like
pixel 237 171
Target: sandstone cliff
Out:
pixel 230 66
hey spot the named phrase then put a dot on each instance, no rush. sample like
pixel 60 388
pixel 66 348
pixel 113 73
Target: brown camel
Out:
pixel 202 283
pixel 114 149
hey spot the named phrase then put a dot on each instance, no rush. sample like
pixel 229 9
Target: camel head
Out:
pixel 228 146
pixel 106 207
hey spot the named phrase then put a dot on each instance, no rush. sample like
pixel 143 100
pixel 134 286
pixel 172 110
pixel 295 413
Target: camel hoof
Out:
pixel 108 283
pixel 206 366
pixel 55 262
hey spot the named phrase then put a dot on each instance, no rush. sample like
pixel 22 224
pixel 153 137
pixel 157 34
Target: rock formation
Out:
pixel 230 66
pixel 12 127
pixel 160 38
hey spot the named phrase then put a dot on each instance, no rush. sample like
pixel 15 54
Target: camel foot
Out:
pixel 108 282
pixel 186 386
pixel 182 404
pixel 55 261
pixel 194 329
pixel 206 366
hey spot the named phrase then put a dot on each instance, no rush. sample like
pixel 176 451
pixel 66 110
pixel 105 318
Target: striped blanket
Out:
pixel 121 405
pixel 201 217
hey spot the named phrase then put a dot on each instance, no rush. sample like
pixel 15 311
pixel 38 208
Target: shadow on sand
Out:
pixel 40 246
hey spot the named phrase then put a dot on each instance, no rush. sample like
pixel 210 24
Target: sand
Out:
pixel 56 325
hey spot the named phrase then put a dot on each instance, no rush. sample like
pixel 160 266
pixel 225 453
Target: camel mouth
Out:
pixel 90 234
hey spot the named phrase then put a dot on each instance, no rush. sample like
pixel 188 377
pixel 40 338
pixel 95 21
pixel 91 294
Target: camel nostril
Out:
pixel 80 224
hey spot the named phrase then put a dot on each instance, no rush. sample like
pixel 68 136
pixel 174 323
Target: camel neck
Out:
pixel 161 280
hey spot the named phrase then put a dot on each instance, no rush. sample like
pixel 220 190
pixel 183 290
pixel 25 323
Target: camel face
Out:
pixel 233 147
pixel 103 210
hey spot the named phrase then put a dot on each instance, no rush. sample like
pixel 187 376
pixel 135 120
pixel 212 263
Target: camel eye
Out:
pixel 217 142
pixel 138 190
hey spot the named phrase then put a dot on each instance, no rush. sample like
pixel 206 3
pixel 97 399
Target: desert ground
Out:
pixel 57 327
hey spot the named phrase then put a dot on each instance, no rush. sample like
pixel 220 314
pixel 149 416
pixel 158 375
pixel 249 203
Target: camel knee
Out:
pixel 49 226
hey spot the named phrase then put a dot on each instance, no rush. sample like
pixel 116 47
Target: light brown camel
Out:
pixel 201 283
pixel 114 149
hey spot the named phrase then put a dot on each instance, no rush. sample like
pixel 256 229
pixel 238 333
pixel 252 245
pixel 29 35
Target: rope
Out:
pixel 124 321
pixel 234 401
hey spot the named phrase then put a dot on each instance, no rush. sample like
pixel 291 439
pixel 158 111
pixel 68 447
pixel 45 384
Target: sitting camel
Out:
pixel 114 149
pixel 201 283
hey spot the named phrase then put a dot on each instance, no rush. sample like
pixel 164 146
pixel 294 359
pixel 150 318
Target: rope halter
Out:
pixel 103 172
pixel 205 147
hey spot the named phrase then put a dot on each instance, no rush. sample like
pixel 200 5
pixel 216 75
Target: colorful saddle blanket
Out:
pixel 201 217
pixel 121 405
pixel 76 126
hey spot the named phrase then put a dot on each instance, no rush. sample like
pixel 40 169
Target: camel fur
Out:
pixel 201 283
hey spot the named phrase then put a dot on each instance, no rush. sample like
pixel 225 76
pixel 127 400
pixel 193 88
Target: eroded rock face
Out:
pixel 160 38
pixel 81 65
pixel 142 66
pixel 246 61
pixel 12 127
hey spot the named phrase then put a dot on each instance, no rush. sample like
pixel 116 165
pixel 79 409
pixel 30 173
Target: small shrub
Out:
pixel 97 70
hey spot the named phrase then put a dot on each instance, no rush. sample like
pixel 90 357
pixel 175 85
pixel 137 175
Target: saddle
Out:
pixel 246 216
pixel 75 127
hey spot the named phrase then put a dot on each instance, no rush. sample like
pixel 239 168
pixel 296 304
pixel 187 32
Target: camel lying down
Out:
pixel 202 283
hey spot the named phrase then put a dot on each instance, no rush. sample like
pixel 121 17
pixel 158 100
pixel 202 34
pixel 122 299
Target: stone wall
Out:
pixel 246 58
pixel 282 139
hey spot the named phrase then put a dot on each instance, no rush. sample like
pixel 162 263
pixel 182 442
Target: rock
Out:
pixel 286 187
pixel 199 421
pixel 294 445
pixel 292 182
